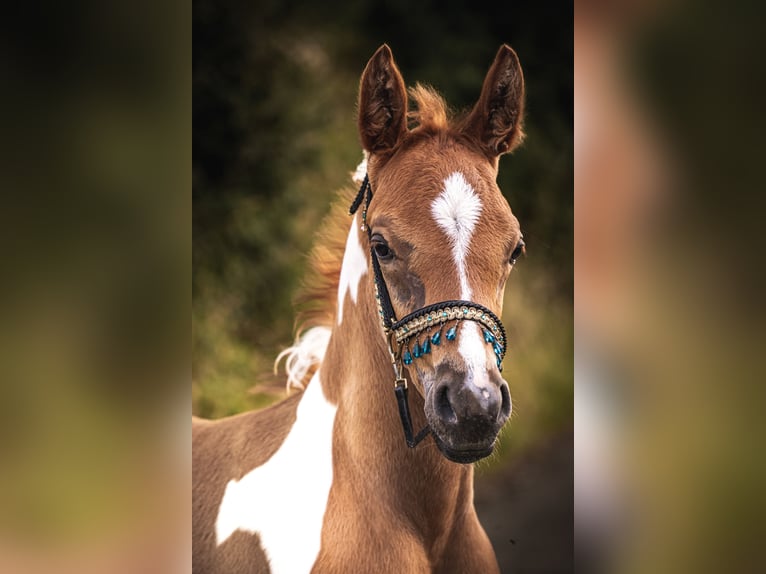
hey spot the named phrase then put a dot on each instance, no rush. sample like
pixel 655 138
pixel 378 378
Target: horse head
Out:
pixel 441 232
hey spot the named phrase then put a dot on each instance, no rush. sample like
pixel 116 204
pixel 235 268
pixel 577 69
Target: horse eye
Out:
pixel 382 250
pixel 517 252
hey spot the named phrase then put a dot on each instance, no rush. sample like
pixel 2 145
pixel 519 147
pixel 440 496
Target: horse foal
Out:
pixel 406 294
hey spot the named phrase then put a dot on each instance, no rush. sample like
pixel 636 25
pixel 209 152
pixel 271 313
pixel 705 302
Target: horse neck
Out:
pixel 368 442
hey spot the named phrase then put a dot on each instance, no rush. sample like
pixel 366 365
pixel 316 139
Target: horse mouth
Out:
pixel 463 455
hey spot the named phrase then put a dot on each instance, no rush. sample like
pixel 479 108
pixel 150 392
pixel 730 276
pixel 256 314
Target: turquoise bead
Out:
pixel 437 338
pixel 452 333
pixel 498 350
pixel 407 357
pixel 416 350
pixel 499 364
pixel 488 337
pixel 426 348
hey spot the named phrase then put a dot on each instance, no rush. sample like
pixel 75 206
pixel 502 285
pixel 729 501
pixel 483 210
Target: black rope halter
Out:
pixel 404 336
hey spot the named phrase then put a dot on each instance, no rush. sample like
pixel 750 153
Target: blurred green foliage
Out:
pixel 94 229
pixel 275 87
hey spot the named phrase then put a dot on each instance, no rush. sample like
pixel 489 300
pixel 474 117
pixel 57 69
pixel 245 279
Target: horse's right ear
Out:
pixel 382 103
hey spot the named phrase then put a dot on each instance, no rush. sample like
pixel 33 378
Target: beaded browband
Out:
pixel 404 336
pixel 436 316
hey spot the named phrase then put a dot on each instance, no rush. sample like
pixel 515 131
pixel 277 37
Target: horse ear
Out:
pixel 496 119
pixel 382 103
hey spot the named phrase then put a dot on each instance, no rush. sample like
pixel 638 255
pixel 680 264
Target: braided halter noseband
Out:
pixel 404 336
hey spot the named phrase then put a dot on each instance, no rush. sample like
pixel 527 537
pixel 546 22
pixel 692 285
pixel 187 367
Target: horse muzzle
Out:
pixel 466 411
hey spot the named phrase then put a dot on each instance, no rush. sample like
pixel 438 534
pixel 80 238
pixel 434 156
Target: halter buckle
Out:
pixel 400 382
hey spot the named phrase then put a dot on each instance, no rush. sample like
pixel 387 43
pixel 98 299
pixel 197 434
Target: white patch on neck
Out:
pixel 284 500
pixel 456 211
pixel 354 267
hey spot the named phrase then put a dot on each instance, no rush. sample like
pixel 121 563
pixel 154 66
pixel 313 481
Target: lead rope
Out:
pixel 400 333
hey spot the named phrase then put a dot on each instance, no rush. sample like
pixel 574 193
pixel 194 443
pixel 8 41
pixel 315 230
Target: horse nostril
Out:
pixel 444 407
pixel 505 408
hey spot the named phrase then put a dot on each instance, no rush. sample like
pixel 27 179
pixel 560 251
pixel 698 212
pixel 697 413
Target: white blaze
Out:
pixel 284 500
pixel 354 267
pixel 456 211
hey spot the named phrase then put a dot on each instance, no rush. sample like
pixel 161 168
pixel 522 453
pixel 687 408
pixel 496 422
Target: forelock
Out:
pixel 431 113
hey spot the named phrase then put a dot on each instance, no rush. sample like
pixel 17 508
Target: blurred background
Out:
pixel 274 119
pixel 95 249
pixel 669 314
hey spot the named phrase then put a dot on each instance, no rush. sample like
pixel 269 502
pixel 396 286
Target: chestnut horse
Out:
pixel 331 479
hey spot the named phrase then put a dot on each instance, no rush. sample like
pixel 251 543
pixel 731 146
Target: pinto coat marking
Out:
pixel 276 501
pixel 354 267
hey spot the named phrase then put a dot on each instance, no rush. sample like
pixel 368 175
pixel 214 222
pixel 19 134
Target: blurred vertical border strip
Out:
pixel 95 232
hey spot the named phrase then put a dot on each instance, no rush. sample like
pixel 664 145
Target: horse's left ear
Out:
pixel 382 103
pixel 496 119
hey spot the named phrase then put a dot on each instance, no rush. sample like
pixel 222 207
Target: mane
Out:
pixel 317 298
